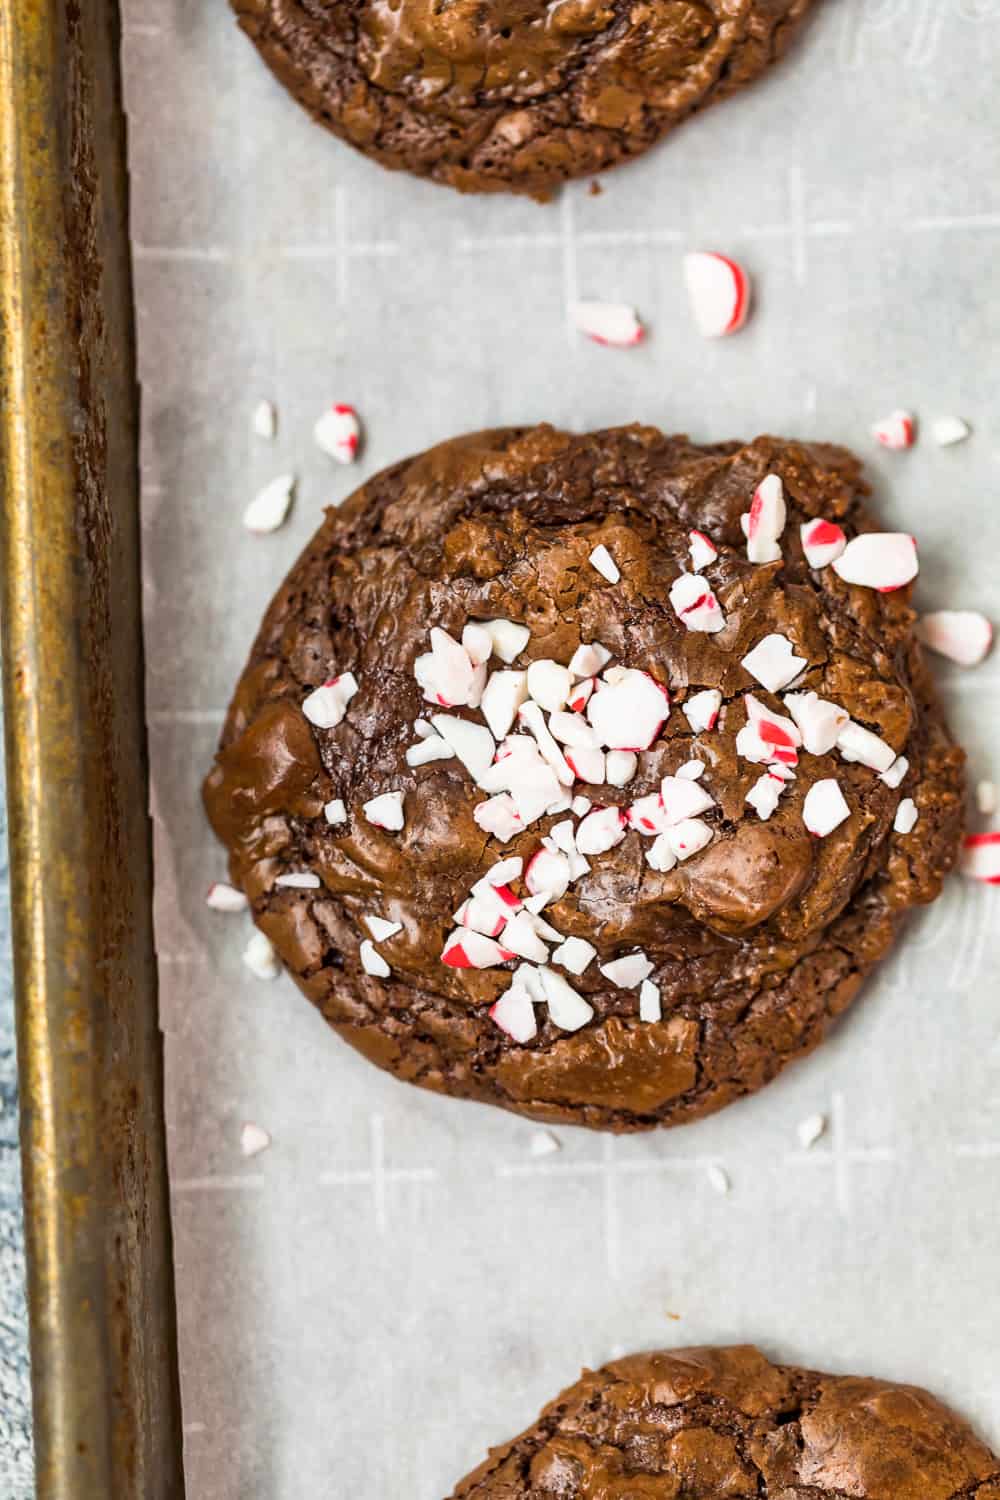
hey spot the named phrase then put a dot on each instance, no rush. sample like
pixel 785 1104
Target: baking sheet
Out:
pixel 399 1281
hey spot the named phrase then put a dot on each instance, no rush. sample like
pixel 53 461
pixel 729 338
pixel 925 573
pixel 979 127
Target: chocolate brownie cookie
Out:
pixel 508 96
pixel 590 775
pixel 706 1423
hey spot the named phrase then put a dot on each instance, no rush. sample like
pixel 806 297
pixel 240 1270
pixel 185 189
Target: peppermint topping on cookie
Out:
pixel 629 712
pixel 649 1001
pixel 702 550
pixel 883 560
pixel 385 811
pixel 765 520
pixel 773 662
pixel 695 605
pixel 509 639
pixel 327 705
pixel 822 542
pixel 514 1013
pixel 857 743
pixel 628 972
pixel 824 808
pixel 906 816
pixel 605 564
pixel 702 709
pixel 818 720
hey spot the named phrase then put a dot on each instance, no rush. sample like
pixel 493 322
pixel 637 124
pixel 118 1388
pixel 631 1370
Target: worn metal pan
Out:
pixel 107 1419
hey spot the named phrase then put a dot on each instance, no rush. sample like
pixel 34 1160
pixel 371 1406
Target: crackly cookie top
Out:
pixel 610 760
pixel 508 94
pixel 702 1423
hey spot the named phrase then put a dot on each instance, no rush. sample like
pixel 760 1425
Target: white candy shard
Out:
pixel 986 798
pixel 695 605
pixel 422 729
pixel 980 857
pixel 253 1140
pixel 385 811
pixel 543 1143
pixel 477 642
pixel 472 743
pixel 338 433
pixel 660 856
pixel 514 1013
pixel 906 816
pixel 962 635
pixel 611 323
pixel 588 660
pixel 620 767
pixel 682 798
pixel 265 420
pixel 574 954
pixel 646 815
pixel 896 431
pixel 381 928
pixel 587 765
pixel 702 550
pixel 502 697
pixel 766 520
pixel 719 292
pixel 335 812
pixel 520 937
pixel 303 880
pixel 689 837
pixel 948 430
pixel 765 793
pixel 567 1010
pixel 498 816
pixel 581 805
pixel 809 1130
pixel 573 729
pixel 718 1179
pixel 549 684
pixel 530 714
pixel 467 949
pixel 605 564
pixel 547 871
pixel 327 705
pixel 426 750
pixel 601 830
pixel 509 639
pixel 504 870
pixel 628 713
pixel 260 957
pixel 691 770
pixel 857 743
pixel 628 972
pixel 702 709
pixel 269 507
pixel 581 694
pixel 894 775
pixel 223 897
pixel 824 808
pixel 372 961
pixel 449 677
pixel 650 1008
pixel 883 560
pixel 818 720
pixel 822 542
pixel 773 662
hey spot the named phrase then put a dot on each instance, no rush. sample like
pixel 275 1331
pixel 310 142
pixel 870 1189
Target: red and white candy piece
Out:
pixel 883 560
pixel 509 639
pixel 601 830
pixel 605 564
pixel 574 954
pixel 567 1009
pixel 906 816
pixel 695 605
pixel 338 433
pixel 650 1008
pixel 773 662
pixel 646 815
pixel 719 292
pixel 689 837
pixel 629 713
pixel 980 857
pixel 385 811
pixel 270 506
pixel 498 816
pixel 381 928
pixel 472 743
pixel 335 812
pixel 818 720
pixel 448 675
pixel 466 949
pixel 683 798
pixel 547 872
pixel 589 765
pixel 702 709
pixel 962 635
pixel 629 971
pixel 896 431
pixel 614 324
pixel 482 915
pixel 521 937
pixel 299 880
pixel 549 684
pixel 620 767
pixel 372 961
pixel 327 705
pixel 261 958
pixel 531 716
pixel 822 542
pixel 948 430
pixel 856 743
pixel 765 793
pixel 514 1013
pixel 588 660
pixel 765 520
pixel 824 808
pixel 660 856
pixel 702 550
pixel 502 697
pixel 581 694
pixel 223 897
pixel 767 736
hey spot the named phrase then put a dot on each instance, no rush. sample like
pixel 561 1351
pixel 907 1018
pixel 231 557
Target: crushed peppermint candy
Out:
pixel 883 560
pixel 372 961
pixel 719 292
pixel 764 523
pixel 601 830
pixel 689 837
pixel 605 564
pixel 514 1013
pixel 548 870
pixel 857 743
pixel 467 949
pixel 261 958
pixel 947 431
pixel 809 1130
pixel 567 1009
pixel 588 660
pixel 628 972
pixel 385 811
pixel 650 1008
pixel 614 324
pixel 896 431
pixel 223 897
pixel 253 1139
pixel 980 857
pixel 765 794
pixel 270 506
pixel 574 954
pixel 718 1179
pixel 549 684
pixel 773 662
pixel 660 855
pixel 962 635
pixel 695 605
pixel 302 880
pixel 702 550
pixel 824 808
pixel 906 816
pixel 326 706
pixel 986 797
pixel 447 673
pixel 629 712
pixel 691 770
pixel 334 811
pixel 509 639
pixel 472 743
pixel 767 736
pixel 265 420
pixel 543 1143
pixel 702 709
pixel 822 542
pixel 431 748
pixel 337 433
pixel 620 767
pixel 381 928
pixel 502 697
pixel 818 720
pixel 894 775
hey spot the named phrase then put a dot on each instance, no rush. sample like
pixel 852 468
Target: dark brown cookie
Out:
pixel 706 1423
pixel 754 942
pixel 507 96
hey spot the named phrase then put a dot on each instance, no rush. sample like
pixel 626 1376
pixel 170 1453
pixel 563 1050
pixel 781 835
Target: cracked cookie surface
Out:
pixel 703 1423
pixel 510 96
pixel 757 942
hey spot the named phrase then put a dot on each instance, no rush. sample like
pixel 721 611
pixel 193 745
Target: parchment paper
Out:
pixel 398 1281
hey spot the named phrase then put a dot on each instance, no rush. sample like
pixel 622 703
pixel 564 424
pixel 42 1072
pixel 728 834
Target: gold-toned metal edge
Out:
pixel 104 1372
